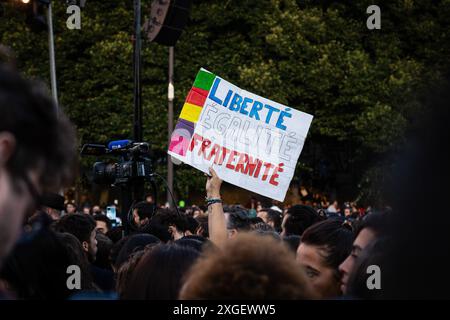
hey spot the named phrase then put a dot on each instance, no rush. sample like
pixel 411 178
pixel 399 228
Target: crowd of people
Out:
pixel 208 252
pixel 213 251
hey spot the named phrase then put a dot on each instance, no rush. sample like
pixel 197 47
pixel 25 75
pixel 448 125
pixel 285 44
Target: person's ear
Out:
pixel 233 233
pixel 85 245
pixel 7 147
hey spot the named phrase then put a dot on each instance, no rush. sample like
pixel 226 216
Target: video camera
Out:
pixel 134 162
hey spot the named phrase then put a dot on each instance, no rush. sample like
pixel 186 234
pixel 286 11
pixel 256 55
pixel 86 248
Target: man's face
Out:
pixel 96 209
pixel 16 202
pixel 70 208
pixel 101 226
pixel 87 210
pixel 347 212
pixel 364 238
pixel 321 277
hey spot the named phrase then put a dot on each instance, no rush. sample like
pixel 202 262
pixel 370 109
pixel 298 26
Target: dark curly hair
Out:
pixel 249 267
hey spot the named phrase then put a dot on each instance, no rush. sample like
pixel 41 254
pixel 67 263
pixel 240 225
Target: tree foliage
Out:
pixel 317 56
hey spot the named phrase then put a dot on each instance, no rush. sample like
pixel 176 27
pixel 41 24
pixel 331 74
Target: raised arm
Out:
pixel 216 219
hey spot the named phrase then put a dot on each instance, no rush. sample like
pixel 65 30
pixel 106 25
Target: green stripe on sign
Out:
pixel 204 80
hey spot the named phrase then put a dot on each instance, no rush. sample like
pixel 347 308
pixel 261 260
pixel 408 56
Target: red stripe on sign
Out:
pixel 200 91
pixel 196 98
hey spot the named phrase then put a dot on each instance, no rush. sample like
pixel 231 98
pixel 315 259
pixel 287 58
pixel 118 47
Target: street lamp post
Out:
pixel 51 50
pixel 170 96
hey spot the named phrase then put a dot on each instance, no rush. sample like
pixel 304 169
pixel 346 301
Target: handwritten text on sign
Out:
pixel 252 142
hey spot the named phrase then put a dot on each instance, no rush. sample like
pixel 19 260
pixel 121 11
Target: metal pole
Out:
pixel 137 73
pixel 51 49
pixel 51 52
pixel 170 96
pixel 134 191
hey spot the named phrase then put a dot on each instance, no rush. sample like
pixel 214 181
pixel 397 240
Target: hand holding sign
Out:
pixel 213 184
pixel 254 142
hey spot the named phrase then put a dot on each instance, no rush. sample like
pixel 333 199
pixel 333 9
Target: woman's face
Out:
pixel 322 278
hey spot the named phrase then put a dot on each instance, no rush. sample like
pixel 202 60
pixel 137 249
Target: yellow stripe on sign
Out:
pixel 190 112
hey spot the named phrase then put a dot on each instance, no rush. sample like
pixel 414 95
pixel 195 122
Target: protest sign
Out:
pixel 250 141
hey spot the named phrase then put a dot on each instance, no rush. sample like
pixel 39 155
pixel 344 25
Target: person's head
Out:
pixel 250 267
pixel 83 227
pixel 323 247
pixel 257 224
pixel 96 209
pixel 197 212
pixel 149 198
pixel 103 223
pixel 237 220
pixel 71 208
pixel 297 219
pixel 371 226
pixel 347 212
pixel 159 230
pixel 142 213
pixel 115 233
pixel 175 223
pixel 77 257
pixel 34 141
pixel 202 229
pixel 133 244
pixel 36 268
pixel 87 209
pixel 158 274
pixel 192 225
pixel 262 214
pixel 268 233
pixel 104 246
pixel 373 255
pixel 190 242
pixel 292 241
pixel 52 204
pixel 271 217
pixel 115 251
pixel 126 271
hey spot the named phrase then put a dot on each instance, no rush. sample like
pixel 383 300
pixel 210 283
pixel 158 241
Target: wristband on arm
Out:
pixel 210 201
